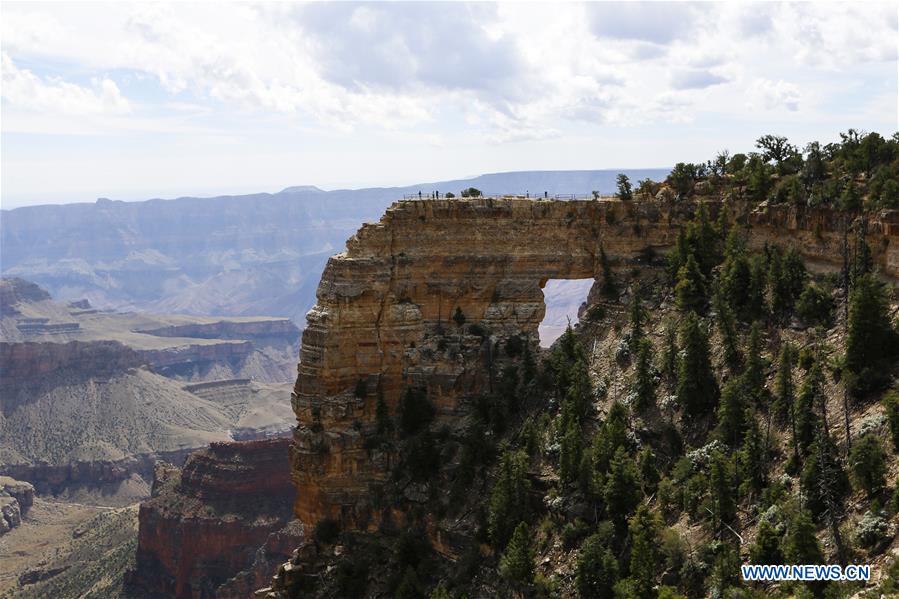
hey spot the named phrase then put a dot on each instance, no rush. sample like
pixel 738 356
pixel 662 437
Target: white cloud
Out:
pixel 383 88
pixel 773 95
pixel 400 65
pixel 23 89
pixel 695 79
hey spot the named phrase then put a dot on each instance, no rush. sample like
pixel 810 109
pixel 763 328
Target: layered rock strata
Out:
pixel 16 497
pixel 423 298
pixel 220 521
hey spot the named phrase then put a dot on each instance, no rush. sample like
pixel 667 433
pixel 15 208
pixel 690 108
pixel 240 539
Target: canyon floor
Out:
pixel 78 549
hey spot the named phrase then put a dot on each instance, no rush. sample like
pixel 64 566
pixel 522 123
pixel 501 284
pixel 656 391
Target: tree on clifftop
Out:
pixel 624 187
pixel 779 150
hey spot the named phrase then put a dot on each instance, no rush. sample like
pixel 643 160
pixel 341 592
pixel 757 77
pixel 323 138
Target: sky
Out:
pixel 133 101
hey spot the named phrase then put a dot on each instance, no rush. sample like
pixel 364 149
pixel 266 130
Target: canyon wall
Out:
pixel 216 527
pixel 283 329
pixel 422 299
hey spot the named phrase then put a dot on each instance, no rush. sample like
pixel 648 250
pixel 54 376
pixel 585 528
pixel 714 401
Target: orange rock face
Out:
pixel 384 319
pixel 217 524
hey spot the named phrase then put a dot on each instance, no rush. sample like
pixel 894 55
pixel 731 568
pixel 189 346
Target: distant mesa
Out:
pixel 121 389
pixel 302 189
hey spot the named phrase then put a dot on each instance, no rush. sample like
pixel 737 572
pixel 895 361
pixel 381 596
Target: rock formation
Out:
pixel 216 527
pixel 16 497
pixel 423 298
pixel 110 393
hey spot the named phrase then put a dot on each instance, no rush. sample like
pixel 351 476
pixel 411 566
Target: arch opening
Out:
pixel 564 299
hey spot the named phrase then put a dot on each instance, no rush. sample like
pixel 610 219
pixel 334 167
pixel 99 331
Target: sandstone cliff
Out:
pixel 423 299
pixel 216 527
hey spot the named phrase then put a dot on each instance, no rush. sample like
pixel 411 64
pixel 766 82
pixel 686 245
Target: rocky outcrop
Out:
pixel 280 328
pixel 423 299
pixel 225 512
pixel 818 233
pixel 30 365
pixel 278 547
pixel 52 479
pixel 16 497
pixel 14 290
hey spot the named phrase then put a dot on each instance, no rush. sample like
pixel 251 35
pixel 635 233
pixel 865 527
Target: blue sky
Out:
pixel 132 101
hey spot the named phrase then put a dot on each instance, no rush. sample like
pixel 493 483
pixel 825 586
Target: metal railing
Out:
pixel 526 195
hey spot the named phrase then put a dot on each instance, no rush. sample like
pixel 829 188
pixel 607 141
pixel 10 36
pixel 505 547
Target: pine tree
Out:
pixel 891 407
pixel 805 408
pixel 622 490
pixel 649 474
pixel 517 562
pixel 783 386
pixel 793 275
pixel 678 256
pixel 780 300
pixel 786 277
pixel 611 437
pixel 697 390
pixel 850 199
pixel 823 478
pixel 509 497
pixel 721 488
pixel 691 289
pixel 409 587
pixel 644 385
pixel 722 225
pixel 800 544
pixel 752 458
pixel 668 366
pixel 597 569
pixel 644 532
pixel 734 283
pixel 637 316
pixel 440 592
pixel 732 414
pixel 871 341
pixel 754 374
pixel 766 549
pixel 570 452
pixel 863 262
pixel 727 325
pixel 754 304
pixel 704 241
pixel 528 366
pixel 868 462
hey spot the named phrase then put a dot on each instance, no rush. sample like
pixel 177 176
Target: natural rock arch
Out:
pixel 384 317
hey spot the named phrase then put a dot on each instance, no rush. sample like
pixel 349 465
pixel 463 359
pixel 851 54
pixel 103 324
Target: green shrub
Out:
pixel 891 406
pixel 815 306
pixel 868 462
